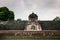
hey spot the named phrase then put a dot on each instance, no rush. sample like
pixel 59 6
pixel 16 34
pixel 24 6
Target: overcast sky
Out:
pixel 45 9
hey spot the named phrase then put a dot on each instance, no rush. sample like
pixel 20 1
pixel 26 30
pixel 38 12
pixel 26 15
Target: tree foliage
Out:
pixel 56 19
pixel 19 20
pixel 11 15
pixel 6 14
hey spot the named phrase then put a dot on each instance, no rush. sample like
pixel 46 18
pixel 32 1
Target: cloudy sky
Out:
pixel 45 9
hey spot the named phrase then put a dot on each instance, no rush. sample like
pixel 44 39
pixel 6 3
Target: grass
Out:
pixel 28 38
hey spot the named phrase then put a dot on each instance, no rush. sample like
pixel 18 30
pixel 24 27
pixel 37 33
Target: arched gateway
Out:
pixel 32 24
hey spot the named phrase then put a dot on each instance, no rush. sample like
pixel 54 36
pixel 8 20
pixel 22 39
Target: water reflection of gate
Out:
pixel 29 33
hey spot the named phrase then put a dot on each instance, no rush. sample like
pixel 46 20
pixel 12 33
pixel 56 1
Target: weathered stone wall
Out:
pixel 46 25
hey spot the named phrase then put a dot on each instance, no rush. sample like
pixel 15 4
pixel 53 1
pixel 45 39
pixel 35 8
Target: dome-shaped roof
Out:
pixel 33 16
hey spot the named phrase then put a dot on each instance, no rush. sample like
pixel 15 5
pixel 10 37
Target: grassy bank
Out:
pixel 29 38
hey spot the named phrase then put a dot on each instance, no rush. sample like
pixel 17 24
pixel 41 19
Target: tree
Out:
pixel 56 19
pixel 6 14
pixel 4 11
pixel 19 20
pixel 11 15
